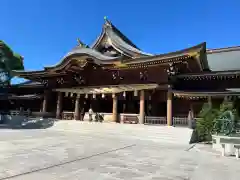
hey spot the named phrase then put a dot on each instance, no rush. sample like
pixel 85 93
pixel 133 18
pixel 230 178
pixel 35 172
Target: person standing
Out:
pixel 90 112
pixel 82 114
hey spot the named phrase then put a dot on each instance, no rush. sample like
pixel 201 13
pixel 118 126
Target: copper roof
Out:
pixel 225 49
pixel 118 40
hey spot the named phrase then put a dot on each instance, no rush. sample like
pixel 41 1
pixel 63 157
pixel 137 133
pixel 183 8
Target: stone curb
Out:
pixel 205 151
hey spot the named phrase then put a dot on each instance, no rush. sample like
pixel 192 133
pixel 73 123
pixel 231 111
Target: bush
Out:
pixel 205 122
pixel 226 122
pixel 212 115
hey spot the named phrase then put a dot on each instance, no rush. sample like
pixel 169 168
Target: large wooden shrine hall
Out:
pixel 114 77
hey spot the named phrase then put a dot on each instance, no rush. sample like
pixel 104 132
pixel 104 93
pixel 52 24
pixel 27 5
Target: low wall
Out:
pixel 108 117
pixel 134 118
pixel 229 149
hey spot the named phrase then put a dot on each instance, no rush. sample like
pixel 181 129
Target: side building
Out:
pixel 113 76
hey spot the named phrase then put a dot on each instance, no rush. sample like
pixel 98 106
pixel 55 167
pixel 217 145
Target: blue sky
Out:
pixel 43 31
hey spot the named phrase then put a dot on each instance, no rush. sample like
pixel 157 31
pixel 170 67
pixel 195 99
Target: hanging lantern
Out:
pixel 135 93
pixel 94 96
pixel 103 95
pixel 86 96
pixel 149 106
pixel 124 94
pixel 149 97
pixel 66 94
pixel 71 95
pixel 113 95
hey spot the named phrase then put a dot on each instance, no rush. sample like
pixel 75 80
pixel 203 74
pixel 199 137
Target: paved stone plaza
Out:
pixel 84 151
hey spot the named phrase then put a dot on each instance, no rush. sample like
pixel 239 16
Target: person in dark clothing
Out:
pixel 82 114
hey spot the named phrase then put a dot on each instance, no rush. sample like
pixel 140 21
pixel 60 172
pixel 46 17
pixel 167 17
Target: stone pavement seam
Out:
pixel 189 148
pixel 67 162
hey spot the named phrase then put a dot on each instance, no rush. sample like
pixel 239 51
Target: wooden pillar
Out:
pixel 169 109
pixel 114 108
pixel 142 107
pixel 45 101
pixel 59 105
pixel 77 110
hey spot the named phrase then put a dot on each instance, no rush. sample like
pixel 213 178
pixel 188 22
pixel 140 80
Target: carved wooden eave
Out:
pixel 83 55
pixel 202 94
pixel 36 74
pixel 197 53
pixel 23 97
pixel 108 89
pixel 118 41
pixel 79 57
pixel 91 55
pixel 28 84
pixel 213 75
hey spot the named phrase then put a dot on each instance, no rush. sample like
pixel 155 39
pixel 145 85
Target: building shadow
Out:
pixel 22 122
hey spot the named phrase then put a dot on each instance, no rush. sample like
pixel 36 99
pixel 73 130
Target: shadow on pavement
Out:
pixel 22 122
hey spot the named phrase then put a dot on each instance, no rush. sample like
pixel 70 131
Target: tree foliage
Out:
pixel 9 61
pixel 212 117
pixel 226 122
pixel 205 122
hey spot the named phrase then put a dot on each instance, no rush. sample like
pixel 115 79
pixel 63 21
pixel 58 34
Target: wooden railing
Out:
pixel 32 114
pixel 134 119
pixel 155 120
pixel 130 118
pixel 16 113
pixel 180 121
pixel 177 121
pixel 67 115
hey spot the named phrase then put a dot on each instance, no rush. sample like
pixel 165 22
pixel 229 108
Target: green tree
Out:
pixel 227 120
pixel 205 122
pixel 215 119
pixel 8 61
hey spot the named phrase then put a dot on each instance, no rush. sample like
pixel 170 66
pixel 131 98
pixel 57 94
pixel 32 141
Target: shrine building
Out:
pixel 114 77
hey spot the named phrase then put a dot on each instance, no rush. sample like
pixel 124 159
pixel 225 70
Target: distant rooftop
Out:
pixel 225 49
pixel 224 59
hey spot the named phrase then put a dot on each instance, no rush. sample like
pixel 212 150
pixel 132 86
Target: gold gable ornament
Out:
pixel 194 54
pixel 81 62
pixel 81 44
pixel 120 65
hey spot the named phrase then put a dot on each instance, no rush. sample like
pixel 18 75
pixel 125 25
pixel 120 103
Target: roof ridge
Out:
pixel 108 23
